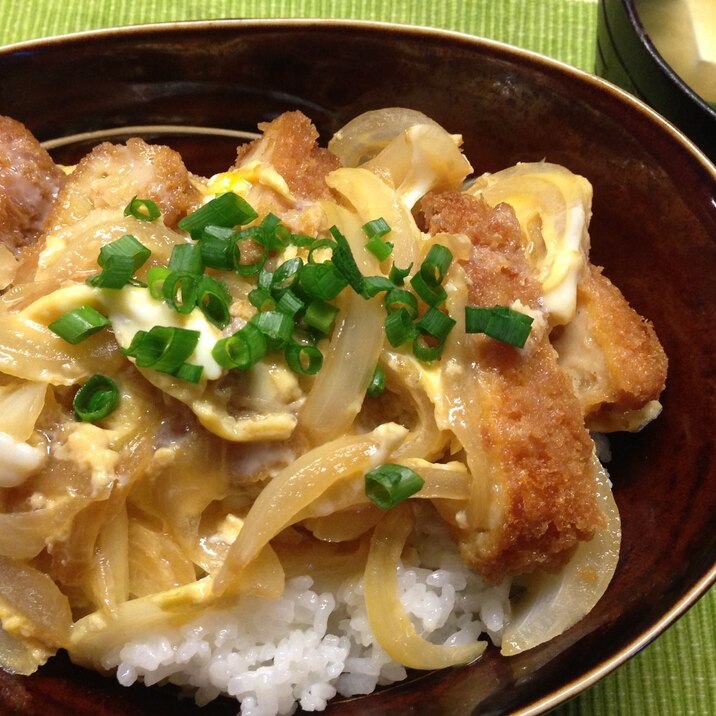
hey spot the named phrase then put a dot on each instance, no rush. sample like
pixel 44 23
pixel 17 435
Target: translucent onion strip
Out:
pixel 553 603
pixel 29 350
pixel 33 612
pixel 20 405
pixel 388 619
pixel 372 199
pixel 300 484
pixel 353 350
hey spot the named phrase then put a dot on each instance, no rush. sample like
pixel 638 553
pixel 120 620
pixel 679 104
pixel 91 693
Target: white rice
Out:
pixel 311 644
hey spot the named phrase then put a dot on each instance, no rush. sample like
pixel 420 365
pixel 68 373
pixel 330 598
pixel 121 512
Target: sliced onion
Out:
pixel 365 135
pixel 388 619
pixel 552 603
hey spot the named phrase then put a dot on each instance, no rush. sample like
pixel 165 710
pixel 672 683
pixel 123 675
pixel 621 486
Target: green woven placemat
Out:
pixel 676 675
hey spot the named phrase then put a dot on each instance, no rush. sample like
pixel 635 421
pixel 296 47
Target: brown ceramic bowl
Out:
pixel 654 230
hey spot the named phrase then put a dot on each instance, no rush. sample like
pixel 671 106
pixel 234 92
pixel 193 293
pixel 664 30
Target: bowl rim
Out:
pixel 644 37
pixel 568 690
pixel 168 26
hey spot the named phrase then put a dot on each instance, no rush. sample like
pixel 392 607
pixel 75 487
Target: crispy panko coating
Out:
pixel 542 484
pixel 613 357
pixel 289 143
pixel 112 174
pixel 29 182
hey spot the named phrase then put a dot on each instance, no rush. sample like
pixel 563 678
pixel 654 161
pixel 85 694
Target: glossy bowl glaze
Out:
pixel 654 229
pixel 627 56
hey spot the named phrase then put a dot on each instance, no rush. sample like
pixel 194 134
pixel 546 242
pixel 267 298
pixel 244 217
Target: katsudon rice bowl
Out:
pixel 342 595
pixel 289 431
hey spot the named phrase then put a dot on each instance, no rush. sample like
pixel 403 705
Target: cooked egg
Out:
pixel 553 206
pixel 19 461
pixel 130 310
pixel 242 179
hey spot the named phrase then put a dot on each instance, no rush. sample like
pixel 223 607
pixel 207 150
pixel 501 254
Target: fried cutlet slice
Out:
pixel 540 488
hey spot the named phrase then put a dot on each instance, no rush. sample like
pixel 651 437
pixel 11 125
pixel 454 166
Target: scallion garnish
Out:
pixel 398 275
pixel 425 351
pixel 436 264
pixel 79 324
pixel 321 316
pixel 261 299
pixel 303 359
pixel 214 300
pixel 388 485
pixel 500 323
pixel 119 260
pixel 432 295
pixel 142 209
pixel 227 210
pixel 289 303
pixel 181 290
pixel 375 231
pixel 156 276
pixel 399 327
pixel 322 281
pixel 286 275
pixel 276 326
pixel 401 298
pixel 163 348
pixel 376 386
pixel 242 350
pixel 345 262
pixel 189 372
pixel 435 323
pixel 373 285
pixel 186 258
pixel 96 399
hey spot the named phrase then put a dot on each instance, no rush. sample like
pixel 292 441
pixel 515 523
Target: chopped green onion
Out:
pixel 321 280
pixel 156 276
pixel 286 275
pixel 321 316
pixel 376 386
pixel 302 240
pixel 345 262
pixel 401 298
pixel 162 348
pixel 399 327
pixel 424 351
pixel 500 323
pixel 432 295
pixel 125 246
pixel 242 350
pixel 80 323
pixel 388 485
pixel 289 303
pixel 276 326
pixel 227 210
pixel 217 252
pixel 269 233
pixel 213 300
pixel 116 273
pixel 119 260
pixel 186 259
pixel 317 245
pixel 376 229
pixel 435 323
pixel 96 399
pixel 251 268
pixel 142 209
pixel 435 265
pixel 373 285
pixel 189 372
pixel 397 275
pixel 303 359
pixel 181 290
pixel 262 299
